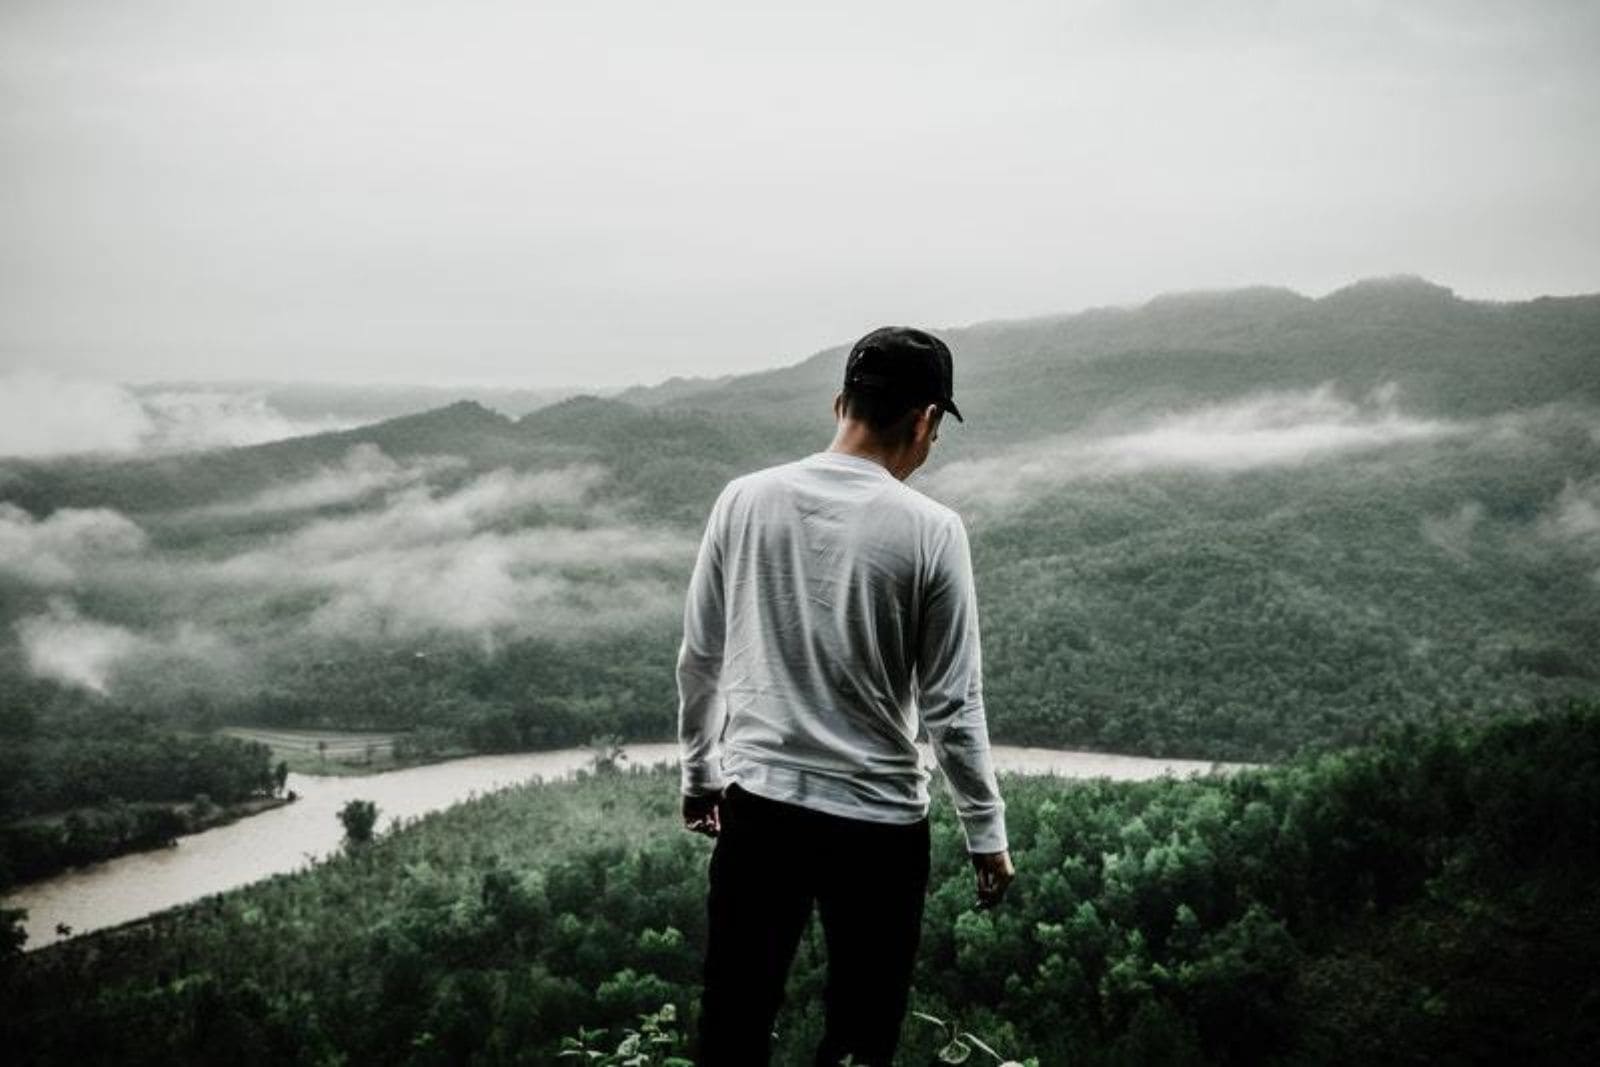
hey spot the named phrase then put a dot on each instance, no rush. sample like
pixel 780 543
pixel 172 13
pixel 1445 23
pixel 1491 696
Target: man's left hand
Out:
pixel 702 814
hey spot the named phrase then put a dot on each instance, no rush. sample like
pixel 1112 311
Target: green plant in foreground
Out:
pixel 607 753
pixel 960 1043
pixel 656 1043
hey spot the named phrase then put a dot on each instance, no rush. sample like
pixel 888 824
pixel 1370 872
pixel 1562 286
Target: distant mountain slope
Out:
pixel 365 402
pixel 1231 524
pixel 138 484
pixel 668 463
pixel 664 461
pixel 1024 378
pixel 1017 380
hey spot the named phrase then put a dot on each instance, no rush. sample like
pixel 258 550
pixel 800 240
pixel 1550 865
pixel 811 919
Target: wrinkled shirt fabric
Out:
pixel 831 611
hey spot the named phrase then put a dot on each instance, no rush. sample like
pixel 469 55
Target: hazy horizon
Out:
pixel 247 379
pixel 789 359
pixel 615 194
pixel 45 413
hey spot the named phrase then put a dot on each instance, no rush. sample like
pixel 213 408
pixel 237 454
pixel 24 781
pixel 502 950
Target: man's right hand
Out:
pixel 995 873
pixel 703 814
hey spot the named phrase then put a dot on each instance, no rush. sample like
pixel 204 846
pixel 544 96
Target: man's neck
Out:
pixel 863 447
pixel 870 456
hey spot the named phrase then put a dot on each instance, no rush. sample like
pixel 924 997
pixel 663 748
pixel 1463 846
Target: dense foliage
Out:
pixel 97 784
pixel 359 817
pixel 1338 909
pixel 1249 616
pixel 1240 616
pixel 1247 611
pixel 1019 380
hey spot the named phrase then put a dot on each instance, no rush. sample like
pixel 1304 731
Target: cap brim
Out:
pixel 950 406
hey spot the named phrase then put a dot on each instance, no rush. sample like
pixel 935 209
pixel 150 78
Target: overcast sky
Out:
pixel 604 193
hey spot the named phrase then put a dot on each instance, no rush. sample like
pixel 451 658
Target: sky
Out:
pixel 606 193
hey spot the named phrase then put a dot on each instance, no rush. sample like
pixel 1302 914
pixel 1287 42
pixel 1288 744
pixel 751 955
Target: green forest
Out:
pixel 1238 526
pixel 1426 897
pixel 1356 538
pixel 93 787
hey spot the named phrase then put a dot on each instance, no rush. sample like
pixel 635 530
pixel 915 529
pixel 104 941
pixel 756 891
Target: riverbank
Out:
pixel 1424 898
pixel 306 832
pixel 44 846
pixel 344 752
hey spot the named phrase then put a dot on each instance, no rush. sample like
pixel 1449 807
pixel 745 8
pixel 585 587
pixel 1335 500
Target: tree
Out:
pixel 608 753
pixel 280 776
pixel 12 933
pixel 359 817
pixel 203 807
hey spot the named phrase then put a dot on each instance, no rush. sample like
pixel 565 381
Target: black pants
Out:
pixel 869 882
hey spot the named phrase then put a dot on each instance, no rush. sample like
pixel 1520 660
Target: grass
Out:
pixel 338 752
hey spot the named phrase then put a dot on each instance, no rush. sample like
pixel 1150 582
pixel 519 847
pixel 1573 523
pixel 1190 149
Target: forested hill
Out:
pixel 1426 899
pixel 640 450
pixel 1017 380
pixel 1020 379
pixel 1220 524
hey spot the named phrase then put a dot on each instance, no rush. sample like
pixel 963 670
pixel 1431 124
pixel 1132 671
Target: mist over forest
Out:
pixel 1233 525
pixel 368 373
pixel 1221 524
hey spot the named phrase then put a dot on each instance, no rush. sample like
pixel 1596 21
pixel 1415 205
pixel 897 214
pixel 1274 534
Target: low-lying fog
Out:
pixel 374 548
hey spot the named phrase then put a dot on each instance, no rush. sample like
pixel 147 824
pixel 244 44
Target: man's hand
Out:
pixel 995 873
pixel 702 815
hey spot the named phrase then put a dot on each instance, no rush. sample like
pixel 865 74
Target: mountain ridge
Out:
pixel 1016 379
pixel 1023 377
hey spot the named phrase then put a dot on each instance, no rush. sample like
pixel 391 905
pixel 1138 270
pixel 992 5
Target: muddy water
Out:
pixel 299 834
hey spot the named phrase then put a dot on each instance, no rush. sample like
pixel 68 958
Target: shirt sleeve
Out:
pixel 950 692
pixel 701 711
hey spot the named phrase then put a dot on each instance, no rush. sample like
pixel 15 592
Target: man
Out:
pixel 831 608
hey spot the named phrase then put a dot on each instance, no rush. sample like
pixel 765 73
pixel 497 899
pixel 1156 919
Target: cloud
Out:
pixel 506 554
pixel 57 549
pixel 481 559
pixel 65 645
pixel 184 420
pixel 1452 534
pixel 43 414
pixel 415 515
pixel 1577 512
pixel 365 469
pixel 485 589
pixel 1573 520
pixel 1570 526
pixel 62 645
pixel 1267 430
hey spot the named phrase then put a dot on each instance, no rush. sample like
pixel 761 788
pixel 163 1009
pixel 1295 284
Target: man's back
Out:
pixel 831 604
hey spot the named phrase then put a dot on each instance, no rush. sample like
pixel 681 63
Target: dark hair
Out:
pixel 889 416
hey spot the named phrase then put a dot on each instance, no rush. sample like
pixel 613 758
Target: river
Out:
pixel 298 835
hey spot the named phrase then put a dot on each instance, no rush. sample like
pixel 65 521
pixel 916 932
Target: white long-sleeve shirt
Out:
pixel 832 606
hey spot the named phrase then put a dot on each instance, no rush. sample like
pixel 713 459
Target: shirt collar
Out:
pixel 851 460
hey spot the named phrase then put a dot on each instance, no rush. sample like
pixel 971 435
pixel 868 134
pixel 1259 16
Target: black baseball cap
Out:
pixel 903 362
